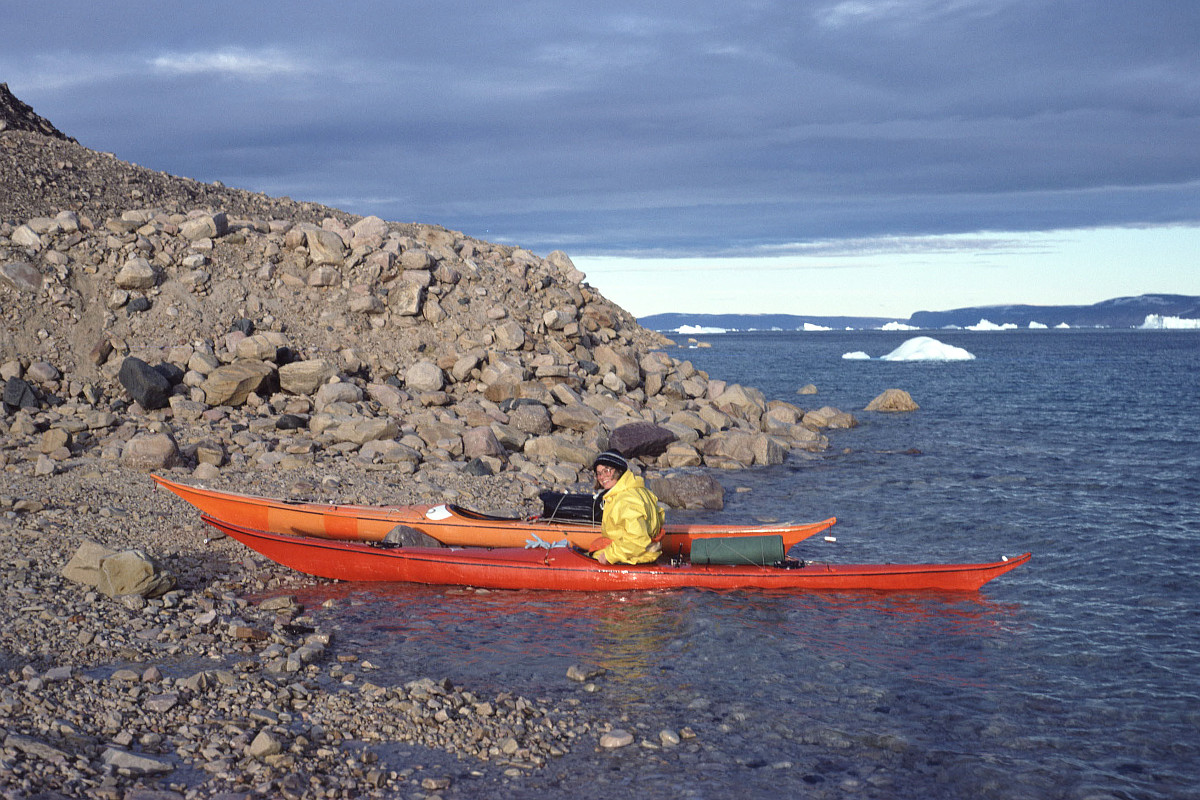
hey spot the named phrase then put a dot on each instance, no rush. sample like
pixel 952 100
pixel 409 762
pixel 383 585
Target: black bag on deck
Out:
pixel 573 507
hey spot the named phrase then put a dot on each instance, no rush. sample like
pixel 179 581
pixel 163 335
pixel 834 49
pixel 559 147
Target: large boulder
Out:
pixel 638 439
pixel 305 377
pixel 829 417
pixel 405 298
pixel 144 383
pixel 620 363
pixel 137 273
pixel 19 394
pixel 116 574
pixel 362 430
pixel 480 442
pixel 22 276
pixel 532 418
pixel 325 247
pixel 150 452
pixel 425 376
pixel 892 400
pixel 509 336
pixel 688 490
pixel 230 385
pixel 205 226
pixel 133 572
pixel 742 401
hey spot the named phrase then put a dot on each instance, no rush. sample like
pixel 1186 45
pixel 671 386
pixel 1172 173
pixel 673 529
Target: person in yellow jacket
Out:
pixel 632 522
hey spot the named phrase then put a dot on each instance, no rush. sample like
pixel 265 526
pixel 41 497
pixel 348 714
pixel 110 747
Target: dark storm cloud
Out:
pixel 692 128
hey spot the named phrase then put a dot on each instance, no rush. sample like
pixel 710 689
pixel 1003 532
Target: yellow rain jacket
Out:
pixel 632 523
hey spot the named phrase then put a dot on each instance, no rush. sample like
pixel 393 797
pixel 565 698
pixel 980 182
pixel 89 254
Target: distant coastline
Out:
pixel 1148 311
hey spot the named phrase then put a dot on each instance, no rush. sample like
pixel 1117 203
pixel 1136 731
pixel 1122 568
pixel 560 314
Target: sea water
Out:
pixel 1075 676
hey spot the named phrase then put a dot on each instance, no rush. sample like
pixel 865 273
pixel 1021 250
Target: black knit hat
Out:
pixel 611 458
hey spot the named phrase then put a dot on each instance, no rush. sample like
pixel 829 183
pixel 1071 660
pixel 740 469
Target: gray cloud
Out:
pixel 692 128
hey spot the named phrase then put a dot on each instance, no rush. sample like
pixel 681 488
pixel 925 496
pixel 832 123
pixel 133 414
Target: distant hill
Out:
pixel 1121 312
pixel 757 322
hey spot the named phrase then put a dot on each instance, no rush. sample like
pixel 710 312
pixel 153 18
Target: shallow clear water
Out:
pixel 1076 676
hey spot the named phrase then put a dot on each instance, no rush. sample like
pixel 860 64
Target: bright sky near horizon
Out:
pixel 825 157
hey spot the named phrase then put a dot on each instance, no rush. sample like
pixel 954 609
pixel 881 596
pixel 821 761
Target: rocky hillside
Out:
pixel 151 320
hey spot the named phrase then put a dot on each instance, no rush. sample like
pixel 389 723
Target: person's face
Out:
pixel 606 476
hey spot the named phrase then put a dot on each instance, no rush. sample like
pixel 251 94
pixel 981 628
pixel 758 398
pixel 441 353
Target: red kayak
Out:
pixel 564 569
pixel 449 524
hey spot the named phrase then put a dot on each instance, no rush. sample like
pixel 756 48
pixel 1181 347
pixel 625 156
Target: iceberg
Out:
pixel 986 325
pixel 812 326
pixel 1038 326
pixel 857 355
pixel 1159 323
pixel 926 348
pixel 694 329
pixel 898 326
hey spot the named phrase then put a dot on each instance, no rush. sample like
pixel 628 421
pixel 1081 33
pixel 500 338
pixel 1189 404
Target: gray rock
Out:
pixel 361 431
pixel 25 236
pixel 615 739
pixel 532 418
pixel 509 336
pixel 425 376
pixel 205 226
pixel 146 385
pixel 688 490
pixel 84 566
pixel 406 298
pixel 481 441
pixel 416 259
pixel 264 744
pixel 34 747
pixel 135 763
pixel 331 393
pixel 19 394
pixel 325 247
pixel 22 276
pixel 150 452
pixel 132 572
pixel 137 274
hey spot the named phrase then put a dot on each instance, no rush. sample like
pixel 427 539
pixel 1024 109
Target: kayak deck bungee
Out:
pixel 449 524
pixel 565 569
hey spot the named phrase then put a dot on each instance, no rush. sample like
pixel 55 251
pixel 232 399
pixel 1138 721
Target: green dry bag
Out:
pixel 751 550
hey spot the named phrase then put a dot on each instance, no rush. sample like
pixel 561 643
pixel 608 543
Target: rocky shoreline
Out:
pixel 153 323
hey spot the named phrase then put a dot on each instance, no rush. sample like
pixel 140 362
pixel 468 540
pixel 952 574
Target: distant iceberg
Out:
pixel 926 348
pixel 920 348
pixel 898 326
pixel 1038 326
pixel 812 326
pixel 1157 322
pixel 691 330
pixel 986 325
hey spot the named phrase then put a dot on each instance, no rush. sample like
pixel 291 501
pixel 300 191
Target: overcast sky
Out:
pixel 862 157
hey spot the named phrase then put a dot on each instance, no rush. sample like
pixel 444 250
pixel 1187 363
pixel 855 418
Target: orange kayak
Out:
pixel 449 524
pixel 564 569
